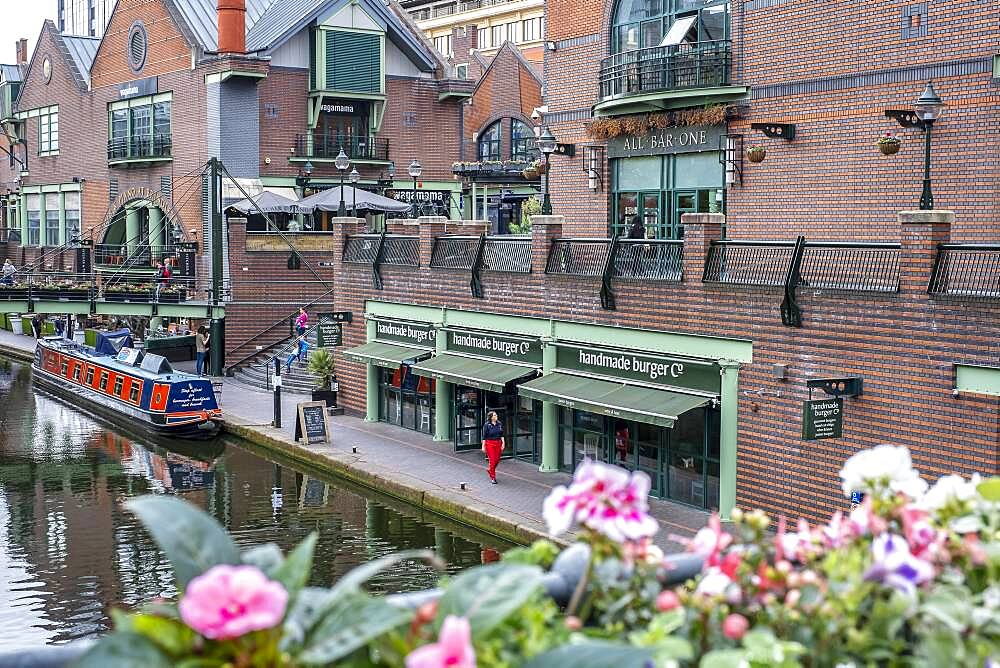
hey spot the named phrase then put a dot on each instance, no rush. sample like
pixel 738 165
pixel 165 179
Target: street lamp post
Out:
pixel 302 181
pixel 928 108
pixel 415 170
pixel 547 144
pixel 341 162
pixel 355 177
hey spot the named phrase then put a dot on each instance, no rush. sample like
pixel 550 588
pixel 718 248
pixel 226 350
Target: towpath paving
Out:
pixel 412 465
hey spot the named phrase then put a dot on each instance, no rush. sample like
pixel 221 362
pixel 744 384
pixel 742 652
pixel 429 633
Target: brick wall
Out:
pixel 507 90
pixel 907 378
pixel 169 50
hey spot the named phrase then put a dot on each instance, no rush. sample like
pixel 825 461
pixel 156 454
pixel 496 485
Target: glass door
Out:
pixel 685 201
pixel 651 215
pixel 527 429
pixel 468 418
pixel 650 444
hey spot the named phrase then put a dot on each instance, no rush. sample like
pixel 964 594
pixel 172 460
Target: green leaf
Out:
pixel 949 605
pixel 989 489
pixel 487 595
pixel 309 607
pixel 266 557
pixel 294 571
pixel 192 541
pixel 123 650
pixel 352 623
pixel 170 635
pixel 352 581
pixel 593 654
pixel 724 658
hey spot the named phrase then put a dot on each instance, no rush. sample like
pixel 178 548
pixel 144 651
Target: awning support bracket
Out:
pixel 476 282
pixel 791 314
pixel 607 291
pixel 377 262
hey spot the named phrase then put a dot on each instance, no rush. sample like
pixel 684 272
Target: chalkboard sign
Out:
pixel 311 427
pixel 822 418
pixel 329 331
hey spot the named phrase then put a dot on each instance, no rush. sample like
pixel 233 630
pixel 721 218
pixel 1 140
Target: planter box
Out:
pixel 75 295
pixel 172 297
pixel 45 293
pixel 10 294
pixel 329 396
pixel 143 297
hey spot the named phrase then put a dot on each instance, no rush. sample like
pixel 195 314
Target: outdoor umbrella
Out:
pixel 267 202
pixel 329 200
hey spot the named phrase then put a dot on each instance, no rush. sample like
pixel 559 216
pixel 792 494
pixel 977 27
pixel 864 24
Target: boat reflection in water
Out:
pixel 69 551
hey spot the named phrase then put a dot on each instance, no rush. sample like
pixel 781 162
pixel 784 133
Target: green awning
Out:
pixel 628 402
pixel 474 372
pixel 385 354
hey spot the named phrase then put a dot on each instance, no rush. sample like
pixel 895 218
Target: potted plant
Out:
pixel 323 367
pixel 889 144
pixel 756 153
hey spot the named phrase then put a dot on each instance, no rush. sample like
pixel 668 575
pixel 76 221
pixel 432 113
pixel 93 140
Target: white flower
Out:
pixel 868 470
pixel 714 582
pixel 950 488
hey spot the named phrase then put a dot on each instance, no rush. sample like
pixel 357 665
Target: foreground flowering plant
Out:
pixel 910 576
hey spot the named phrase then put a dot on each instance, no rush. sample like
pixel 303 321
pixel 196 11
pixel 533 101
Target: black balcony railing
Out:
pixel 967 270
pixel 357 147
pixel 662 68
pixel 853 267
pixel 578 257
pixel 148 147
pixel 751 263
pixel 649 259
pixel 507 254
pixel 138 257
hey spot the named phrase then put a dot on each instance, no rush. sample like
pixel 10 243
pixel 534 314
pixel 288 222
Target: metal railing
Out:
pixel 661 68
pixel 966 270
pixel 401 250
pixel 139 147
pixel 114 255
pixel 357 147
pixel 751 263
pixel 454 252
pixel 578 257
pixel 853 267
pixel 361 248
pixel 507 254
pixel 379 249
pixel 425 13
pixel 649 259
pixel 85 287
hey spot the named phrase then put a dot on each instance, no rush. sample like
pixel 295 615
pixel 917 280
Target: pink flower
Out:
pixel 710 542
pixel 604 498
pixel 734 626
pixel 798 546
pixel 229 601
pixel 713 582
pixel 925 541
pixel 667 601
pixel 895 566
pixel 452 650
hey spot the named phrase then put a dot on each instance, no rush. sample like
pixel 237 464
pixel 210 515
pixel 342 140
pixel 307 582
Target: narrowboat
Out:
pixel 133 386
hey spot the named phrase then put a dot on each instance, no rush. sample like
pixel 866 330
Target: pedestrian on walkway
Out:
pixel 36 325
pixel 302 321
pixel 493 442
pixel 200 346
pixel 60 326
pixel 300 352
pixel 9 271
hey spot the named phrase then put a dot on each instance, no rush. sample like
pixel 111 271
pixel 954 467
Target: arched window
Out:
pixel 641 24
pixel 489 143
pixel 522 141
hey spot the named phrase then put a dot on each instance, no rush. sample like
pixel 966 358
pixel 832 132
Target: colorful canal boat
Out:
pixel 139 388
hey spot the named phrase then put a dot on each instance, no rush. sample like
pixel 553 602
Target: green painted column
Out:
pixel 62 218
pixel 131 228
pixel 22 218
pixel 727 437
pixel 371 382
pixel 550 418
pixel 155 235
pixel 443 398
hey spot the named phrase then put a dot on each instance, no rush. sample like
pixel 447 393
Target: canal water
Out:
pixel 69 551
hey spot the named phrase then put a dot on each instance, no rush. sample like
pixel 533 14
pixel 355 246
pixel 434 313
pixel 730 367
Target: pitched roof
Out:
pixel 510 48
pixel 82 51
pixel 200 17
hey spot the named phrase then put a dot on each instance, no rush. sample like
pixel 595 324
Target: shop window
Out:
pixel 34 219
pixel 489 143
pixel 71 202
pixel 522 141
pixel 51 219
pixel 48 132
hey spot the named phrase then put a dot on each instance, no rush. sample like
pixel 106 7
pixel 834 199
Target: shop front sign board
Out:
pixel 822 418
pixel 499 346
pixel 420 334
pixel 329 332
pixel 668 141
pixel 311 426
pixel 643 367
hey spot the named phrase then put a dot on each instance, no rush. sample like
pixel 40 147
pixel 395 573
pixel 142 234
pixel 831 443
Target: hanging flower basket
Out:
pixel 531 173
pixel 756 153
pixel 889 144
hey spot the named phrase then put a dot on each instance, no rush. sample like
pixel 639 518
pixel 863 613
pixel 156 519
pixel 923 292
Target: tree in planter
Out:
pixel 323 367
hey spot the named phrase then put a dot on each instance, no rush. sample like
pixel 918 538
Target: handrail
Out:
pixel 476 279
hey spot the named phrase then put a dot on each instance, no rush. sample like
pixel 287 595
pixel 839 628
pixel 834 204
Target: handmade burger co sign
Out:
pixel 667 141
pixel 513 348
pixel 414 333
pixel 643 367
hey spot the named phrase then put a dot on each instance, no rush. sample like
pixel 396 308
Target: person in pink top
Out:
pixel 302 321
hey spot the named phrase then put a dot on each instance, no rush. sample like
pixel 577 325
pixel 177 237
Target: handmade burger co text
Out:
pixel 505 347
pixel 404 331
pixel 639 365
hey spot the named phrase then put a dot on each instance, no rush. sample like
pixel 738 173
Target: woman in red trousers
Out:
pixel 493 442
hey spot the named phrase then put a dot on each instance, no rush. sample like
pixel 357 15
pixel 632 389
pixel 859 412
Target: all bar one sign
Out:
pixel 667 141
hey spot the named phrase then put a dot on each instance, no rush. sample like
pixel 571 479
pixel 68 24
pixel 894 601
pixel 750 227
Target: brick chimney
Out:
pixel 232 26
pixel 22 51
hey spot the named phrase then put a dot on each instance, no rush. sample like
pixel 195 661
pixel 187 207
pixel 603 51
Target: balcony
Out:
pixel 653 75
pixel 140 148
pixel 326 147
